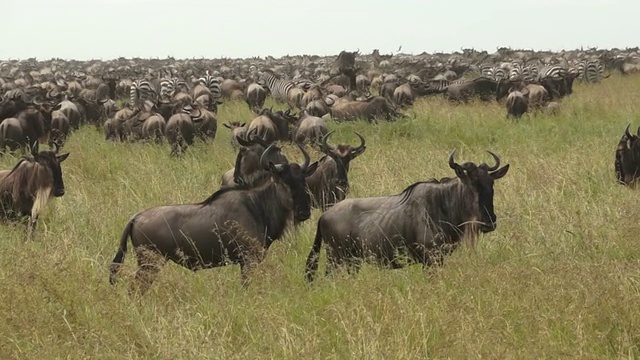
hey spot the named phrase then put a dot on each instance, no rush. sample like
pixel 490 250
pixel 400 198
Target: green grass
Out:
pixel 559 278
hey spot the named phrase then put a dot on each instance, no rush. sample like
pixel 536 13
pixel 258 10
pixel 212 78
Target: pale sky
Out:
pixel 107 29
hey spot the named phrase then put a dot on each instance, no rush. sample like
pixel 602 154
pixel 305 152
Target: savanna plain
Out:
pixel 559 278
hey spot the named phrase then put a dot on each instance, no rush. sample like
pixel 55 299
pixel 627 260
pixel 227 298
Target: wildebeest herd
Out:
pixel 265 194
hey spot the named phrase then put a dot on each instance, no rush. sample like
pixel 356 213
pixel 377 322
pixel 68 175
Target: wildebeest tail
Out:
pixel 122 250
pixel 314 256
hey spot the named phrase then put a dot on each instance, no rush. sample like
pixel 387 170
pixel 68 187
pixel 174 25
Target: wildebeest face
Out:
pixel 52 161
pixel 342 155
pixel 482 178
pixel 294 176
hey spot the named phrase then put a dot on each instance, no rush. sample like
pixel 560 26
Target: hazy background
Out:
pixel 85 29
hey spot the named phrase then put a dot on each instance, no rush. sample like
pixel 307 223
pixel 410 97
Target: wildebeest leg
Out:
pixel 149 265
pixel 31 226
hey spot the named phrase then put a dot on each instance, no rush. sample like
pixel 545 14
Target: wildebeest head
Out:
pixel 481 179
pixel 51 160
pixel 293 175
pixel 627 163
pixel 342 154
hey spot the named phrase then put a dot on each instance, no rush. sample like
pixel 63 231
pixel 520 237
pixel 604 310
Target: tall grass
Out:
pixel 559 278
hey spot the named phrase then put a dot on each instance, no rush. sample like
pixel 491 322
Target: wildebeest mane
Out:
pixel 406 193
pixel 20 180
pixel 253 181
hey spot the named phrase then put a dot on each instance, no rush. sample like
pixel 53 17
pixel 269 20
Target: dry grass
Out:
pixel 559 278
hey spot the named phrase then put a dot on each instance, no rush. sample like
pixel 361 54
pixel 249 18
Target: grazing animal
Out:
pixel 330 184
pixel 59 128
pixel 309 128
pixel 517 104
pixel 235 225
pixel 370 109
pixel 237 130
pixel 627 162
pixel 255 97
pixel 26 189
pixel 423 223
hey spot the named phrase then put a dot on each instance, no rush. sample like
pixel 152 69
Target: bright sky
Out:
pixel 107 29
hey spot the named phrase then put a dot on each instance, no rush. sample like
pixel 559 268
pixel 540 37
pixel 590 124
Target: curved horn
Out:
pixel 452 163
pixel 324 141
pixel 34 148
pixel 266 152
pixel 497 160
pixel 56 149
pixel 362 143
pixel 307 159
pixel 626 132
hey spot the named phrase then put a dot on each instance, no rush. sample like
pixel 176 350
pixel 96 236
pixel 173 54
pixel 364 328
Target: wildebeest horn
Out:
pixel 307 159
pixel 497 160
pixel 56 149
pixel 34 148
pixel 452 163
pixel 265 154
pixel 362 143
pixel 626 132
pixel 324 141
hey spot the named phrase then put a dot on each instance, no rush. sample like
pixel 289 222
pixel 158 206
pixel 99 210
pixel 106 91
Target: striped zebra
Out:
pixel 142 90
pixel 211 82
pixel 439 86
pixel 494 72
pixel 591 71
pixel 168 87
pixel 279 88
pixel 552 71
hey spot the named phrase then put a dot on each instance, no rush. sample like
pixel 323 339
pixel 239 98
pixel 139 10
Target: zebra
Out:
pixel 279 88
pixel 168 87
pixel 440 86
pixel 552 71
pixel 494 72
pixel 142 90
pixel 590 71
pixel 211 83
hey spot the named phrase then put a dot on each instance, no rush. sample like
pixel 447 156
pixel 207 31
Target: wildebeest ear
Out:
pixel 275 168
pixel 628 144
pixel 57 107
pixel 311 169
pixel 34 148
pixel 226 125
pixel 64 157
pixel 500 172
pixel 243 124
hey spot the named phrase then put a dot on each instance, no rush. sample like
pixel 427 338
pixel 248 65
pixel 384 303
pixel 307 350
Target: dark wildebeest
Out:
pixel 309 128
pixel 330 184
pixel 423 223
pixel 482 87
pixel 247 163
pixel 517 104
pixel 345 64
pixel 237 130
pixel 26 189
pixel 235 225
pixel 371 109
pixel 627 163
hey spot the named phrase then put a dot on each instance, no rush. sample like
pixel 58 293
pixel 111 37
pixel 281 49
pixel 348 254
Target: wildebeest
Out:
pixel 517 104
pixel 26 189
pixel 235 225
pixel 180 130
pixel 309 128
pixel 370 109
pixel 481 87
pixel 330 183
pixel 255 97
pixel 423 223
pixel 627 162
pixel 237 130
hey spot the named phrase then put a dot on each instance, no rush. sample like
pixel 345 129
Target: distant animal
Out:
pixel 237 129
pixel 422 224
pixel 309 128
pixel 627 162
pixel 517 104
pixel 235 225
pixel 26 189
pixel 330 184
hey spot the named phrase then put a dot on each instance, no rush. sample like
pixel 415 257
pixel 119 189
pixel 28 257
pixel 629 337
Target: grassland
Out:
pixel 559 278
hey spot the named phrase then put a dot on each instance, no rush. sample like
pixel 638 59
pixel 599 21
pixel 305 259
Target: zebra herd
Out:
pixel 142 90
pixel 586 70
